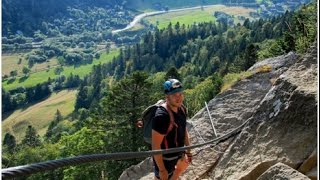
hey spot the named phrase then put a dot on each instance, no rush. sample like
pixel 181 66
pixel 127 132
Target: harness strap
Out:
pixel 172 123
pixel 170 158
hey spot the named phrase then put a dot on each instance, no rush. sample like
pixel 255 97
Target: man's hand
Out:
pixel 163 174
pixel 189 157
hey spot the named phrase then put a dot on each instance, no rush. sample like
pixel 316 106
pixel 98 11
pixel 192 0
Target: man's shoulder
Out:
pixel 161 111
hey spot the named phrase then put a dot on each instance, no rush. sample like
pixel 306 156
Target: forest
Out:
pixel 111 98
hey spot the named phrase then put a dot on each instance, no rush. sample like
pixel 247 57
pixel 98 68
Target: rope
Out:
pixel 26 170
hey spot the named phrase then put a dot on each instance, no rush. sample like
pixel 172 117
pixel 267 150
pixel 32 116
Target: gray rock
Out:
pixel 282 129
pixel 281 171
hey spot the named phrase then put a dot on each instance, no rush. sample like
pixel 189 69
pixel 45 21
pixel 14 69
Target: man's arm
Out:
pixel 183 163
pixel 187 140
pixel 187 143
pixel 156 145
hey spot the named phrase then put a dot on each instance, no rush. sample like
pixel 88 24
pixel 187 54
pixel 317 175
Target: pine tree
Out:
pixel 250 56
pixel 84 97
pixel 173 73
pixel 31 138
pixel 122 107
pixel 58 117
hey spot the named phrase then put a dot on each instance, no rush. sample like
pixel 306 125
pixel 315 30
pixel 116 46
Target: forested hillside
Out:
pixel 203 56
pixel 28 16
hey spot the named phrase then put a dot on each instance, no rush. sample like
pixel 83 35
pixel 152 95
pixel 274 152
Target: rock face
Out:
pixel 281 108
pixel 282 129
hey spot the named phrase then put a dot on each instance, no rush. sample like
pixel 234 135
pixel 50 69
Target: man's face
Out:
pixel 175 99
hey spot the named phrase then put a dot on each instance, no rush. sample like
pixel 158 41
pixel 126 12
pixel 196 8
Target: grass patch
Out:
pixel 39 115
pixel 143 4
pixel 10 63
pixel 42 76
pixel 263 69
pixel 183 17
pixel 230 79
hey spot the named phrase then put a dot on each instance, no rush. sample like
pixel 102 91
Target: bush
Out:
pixel 73 58
pixel 37 58
pixel 50 53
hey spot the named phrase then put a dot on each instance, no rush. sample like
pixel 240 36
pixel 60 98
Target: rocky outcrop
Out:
pixel 282 171
pixel 279 103
pixel 229 110
pixel 282 129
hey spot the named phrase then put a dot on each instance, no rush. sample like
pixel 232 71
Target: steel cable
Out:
pixel 26 170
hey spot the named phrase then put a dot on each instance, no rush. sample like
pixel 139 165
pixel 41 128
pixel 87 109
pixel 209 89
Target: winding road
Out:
pixel 143 15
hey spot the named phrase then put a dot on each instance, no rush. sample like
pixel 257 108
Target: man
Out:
pixel 168 134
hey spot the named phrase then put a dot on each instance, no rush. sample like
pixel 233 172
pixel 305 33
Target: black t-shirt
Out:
pixel 161 122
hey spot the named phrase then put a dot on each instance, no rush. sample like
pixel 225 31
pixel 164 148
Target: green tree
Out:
pixel 217 82
pixel 122 107
pixel 25 70
pixel 31 138
pixel 84 97
pixel 13 73
pixel 28 155
pixel 58 117
pixel 10 142
pixel 173 73
pixel 58 70
pixel 202 92
pixel 250 56
pixel 84 141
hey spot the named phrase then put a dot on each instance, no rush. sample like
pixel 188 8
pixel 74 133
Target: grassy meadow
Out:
pixel 43 75
pixel 143 4
pixel 190 17
pixel 10 62
pixel 39 115
pixel 183 17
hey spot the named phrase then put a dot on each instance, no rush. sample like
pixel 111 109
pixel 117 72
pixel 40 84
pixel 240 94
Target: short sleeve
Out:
pixel 161 121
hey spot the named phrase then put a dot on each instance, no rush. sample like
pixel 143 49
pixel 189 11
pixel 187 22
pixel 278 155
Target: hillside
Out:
pixel 281 108
pixel 39 115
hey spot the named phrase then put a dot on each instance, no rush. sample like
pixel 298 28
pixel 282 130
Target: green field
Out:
pixel 39 115
pixel 190 17
pixel 143 4
pixel 43 76
pixel 184 17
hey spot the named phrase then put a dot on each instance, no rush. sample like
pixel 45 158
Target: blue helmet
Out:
pixel 172 86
